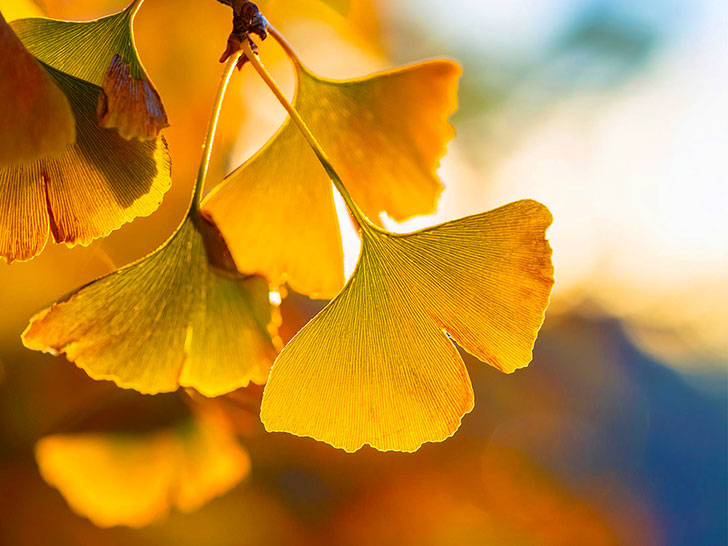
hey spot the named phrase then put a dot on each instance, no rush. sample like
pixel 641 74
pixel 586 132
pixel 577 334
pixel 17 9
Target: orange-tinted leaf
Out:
pixel 35 117
pixel 384 134
pixel 102 52
pixel 182 316
pixel 95 186
pixel 375 366
pixel 134 479
pixel 131 105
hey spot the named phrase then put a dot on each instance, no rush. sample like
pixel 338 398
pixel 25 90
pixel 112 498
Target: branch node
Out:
pixel 247 20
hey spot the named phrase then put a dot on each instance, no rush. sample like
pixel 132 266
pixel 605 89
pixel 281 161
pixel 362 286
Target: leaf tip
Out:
pixel 129 104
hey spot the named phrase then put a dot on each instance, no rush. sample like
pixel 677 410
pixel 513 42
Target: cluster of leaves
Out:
pixel 80 151
pixel 378 365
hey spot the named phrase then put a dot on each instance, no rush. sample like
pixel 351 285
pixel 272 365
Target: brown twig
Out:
pixel 247 20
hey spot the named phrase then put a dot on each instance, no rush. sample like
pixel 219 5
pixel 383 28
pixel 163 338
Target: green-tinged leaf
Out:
pixel 96 185
pixel 182 316
pixel 376 366
pixel 101 52
pixel 35 116
pixel 384 134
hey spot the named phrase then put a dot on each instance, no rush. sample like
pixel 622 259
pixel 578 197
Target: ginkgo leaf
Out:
pixel 17 9
pixel 96 185
pixel 384 135
pixel 376 366
pixel 101 52
pixel 182 316
pixel 35 116
pixel 134 479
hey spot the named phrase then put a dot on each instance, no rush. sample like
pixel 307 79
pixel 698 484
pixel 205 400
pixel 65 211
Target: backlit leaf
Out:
pixel 134 479
pixel 182 316
pixel 384 135
pixel 16 9
pixel 96 185
pixel 101 52
pixel 35 116
pixel 376 366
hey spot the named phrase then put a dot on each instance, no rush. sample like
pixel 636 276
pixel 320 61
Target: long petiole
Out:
pixel 359 218
pixel 134 7
pixel 212 129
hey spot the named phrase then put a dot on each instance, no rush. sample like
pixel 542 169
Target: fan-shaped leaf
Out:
pixel 134 479
pixel 384 134
pixel 35 116
pixel 182 316
pixel 101 52
pixel 375 366
pixel 98 184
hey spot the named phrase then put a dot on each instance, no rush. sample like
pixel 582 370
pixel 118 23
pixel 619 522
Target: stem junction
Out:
pixel 360 219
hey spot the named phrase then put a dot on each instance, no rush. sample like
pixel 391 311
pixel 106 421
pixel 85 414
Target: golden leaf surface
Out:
pixel 35 116
pixel 376 366
pixel 101 52
pixel 135 479
pixel 182 316
pixel 17 9
pixel 384 134
pixel 96 185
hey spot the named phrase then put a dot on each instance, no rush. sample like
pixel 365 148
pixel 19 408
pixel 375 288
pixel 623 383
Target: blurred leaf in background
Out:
pixel 134 478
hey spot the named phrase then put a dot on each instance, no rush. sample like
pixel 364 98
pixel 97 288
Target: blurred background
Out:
pixel 611 112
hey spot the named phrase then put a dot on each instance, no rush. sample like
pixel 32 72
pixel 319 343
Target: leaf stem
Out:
pixel 211 130
pixel 359 218
pixel 134 7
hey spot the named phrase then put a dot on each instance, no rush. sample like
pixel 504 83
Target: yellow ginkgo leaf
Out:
pixel 384 134
pixel 96 185
pixel 134 479
pixel 35 117
pixel 101 52
pixel 182 316
pixel 376 366
pixel 17 9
